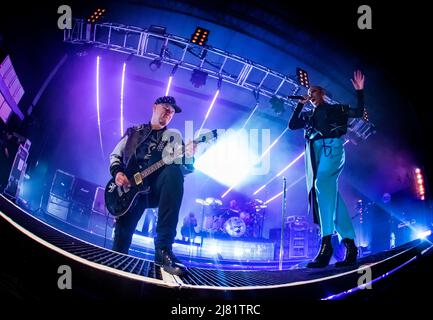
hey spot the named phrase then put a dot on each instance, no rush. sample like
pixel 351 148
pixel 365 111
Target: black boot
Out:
pixel 168 261
pixel 351 254
pixel 325 254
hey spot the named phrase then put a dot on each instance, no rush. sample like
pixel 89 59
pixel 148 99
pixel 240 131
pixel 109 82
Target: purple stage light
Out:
pixel 274 197
pixel 280 173
pixel 209 110
pixel 98 58
pixel 121 98
pixel 168 85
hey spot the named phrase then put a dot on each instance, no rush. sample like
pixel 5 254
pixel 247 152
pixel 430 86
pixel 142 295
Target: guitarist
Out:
pixel 141 146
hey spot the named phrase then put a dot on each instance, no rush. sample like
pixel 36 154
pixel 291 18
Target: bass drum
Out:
pixel 235 227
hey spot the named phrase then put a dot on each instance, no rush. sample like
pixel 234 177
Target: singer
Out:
pixel 324 127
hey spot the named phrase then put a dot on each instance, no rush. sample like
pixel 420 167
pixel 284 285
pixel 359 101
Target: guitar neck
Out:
pixel 148 171
pixel 157 165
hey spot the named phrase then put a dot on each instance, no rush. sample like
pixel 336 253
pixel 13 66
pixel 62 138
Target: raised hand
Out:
pixel 358 80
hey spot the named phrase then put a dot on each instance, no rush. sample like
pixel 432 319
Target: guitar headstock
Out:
pixel 207 137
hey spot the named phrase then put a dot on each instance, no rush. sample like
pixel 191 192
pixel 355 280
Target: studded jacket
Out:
pixel 126 149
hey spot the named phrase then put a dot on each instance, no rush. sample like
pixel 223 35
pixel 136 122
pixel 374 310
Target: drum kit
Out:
pixel 232 222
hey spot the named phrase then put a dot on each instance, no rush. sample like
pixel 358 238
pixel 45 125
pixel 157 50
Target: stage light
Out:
pixel 229 159
pixel 255 162
pixel 170 79
pixel 423 234
pixel 277 105
pixel 200 36
pixel 168 85
pixel 198 78
pixel 157 30
pixel 284 170
pixel 214 250
pixel 419 184
pixel 121 98
pixel 238 252
pixel 279 194
pixel 155 64
pixel 211 105
pixel 251 114
pixel 98 58
pixel 280 173
pixel 96 15
pixel 302 77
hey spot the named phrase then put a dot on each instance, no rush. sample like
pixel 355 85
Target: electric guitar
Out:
pixel 119 199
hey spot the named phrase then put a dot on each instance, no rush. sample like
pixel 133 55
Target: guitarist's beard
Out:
pixel 163 121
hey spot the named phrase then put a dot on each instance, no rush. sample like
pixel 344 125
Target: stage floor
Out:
pixel 45 247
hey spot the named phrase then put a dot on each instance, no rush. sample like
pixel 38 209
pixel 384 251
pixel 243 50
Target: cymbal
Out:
pixel 255 202
pixel 209 201
pixel 199 201
pixel 213 201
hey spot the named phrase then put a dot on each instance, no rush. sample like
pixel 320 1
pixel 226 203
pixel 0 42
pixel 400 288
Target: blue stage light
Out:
pixel 423 234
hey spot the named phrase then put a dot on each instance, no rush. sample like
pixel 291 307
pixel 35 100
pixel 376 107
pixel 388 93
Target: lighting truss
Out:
pixel 219 64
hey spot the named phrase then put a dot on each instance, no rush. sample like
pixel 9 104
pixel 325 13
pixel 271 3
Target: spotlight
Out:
pixel 419 184
pixel 96 15
pixel 198 78
pixel 424 234
pixel 277 105
pixel 302 77
pixel 155 64
pixel 157 29
pixel 200 36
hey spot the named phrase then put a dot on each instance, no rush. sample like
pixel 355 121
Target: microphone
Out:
pixel 296 97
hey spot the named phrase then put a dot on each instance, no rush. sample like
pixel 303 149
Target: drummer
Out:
pixel 234 206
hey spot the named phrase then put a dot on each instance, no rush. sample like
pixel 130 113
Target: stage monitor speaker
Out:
pixel 62 185
pixel 83 192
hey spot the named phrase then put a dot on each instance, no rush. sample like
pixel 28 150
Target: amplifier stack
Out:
pixel 80 203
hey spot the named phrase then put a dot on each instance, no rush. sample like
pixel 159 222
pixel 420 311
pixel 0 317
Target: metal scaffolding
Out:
pixel 174 50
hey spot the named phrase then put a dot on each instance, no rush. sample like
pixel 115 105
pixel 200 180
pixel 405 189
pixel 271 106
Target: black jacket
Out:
pixel 126 149
pixel 327 120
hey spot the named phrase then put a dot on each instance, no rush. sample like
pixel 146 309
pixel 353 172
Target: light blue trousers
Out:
pixel 324 164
